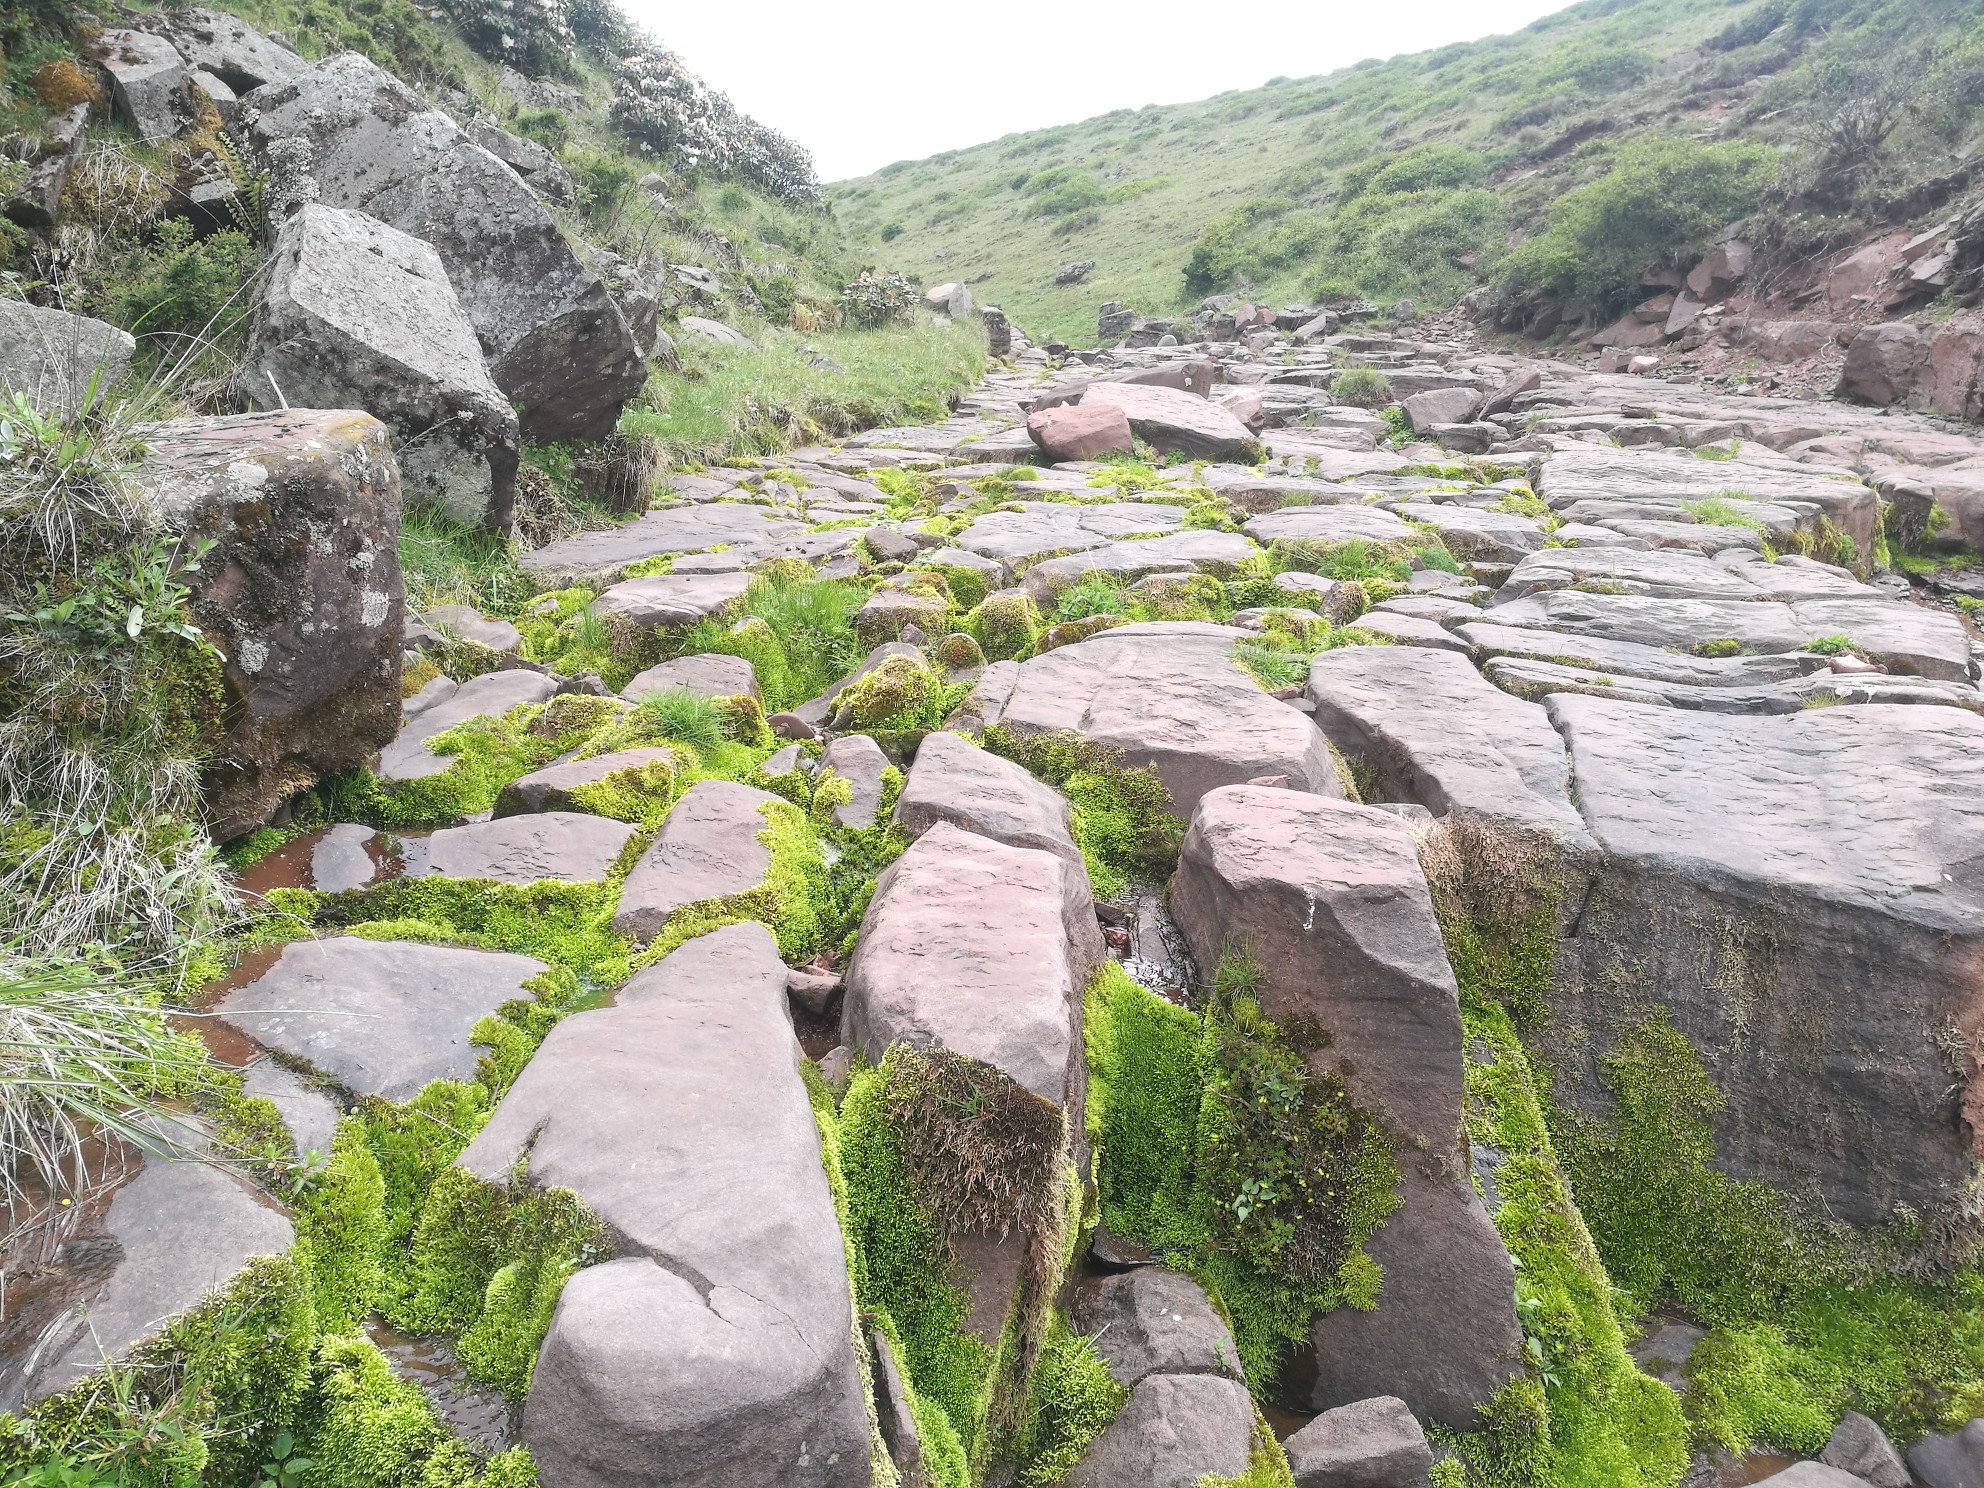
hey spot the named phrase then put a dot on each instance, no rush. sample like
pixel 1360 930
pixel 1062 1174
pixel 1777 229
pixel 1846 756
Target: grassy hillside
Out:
pixel 1417 176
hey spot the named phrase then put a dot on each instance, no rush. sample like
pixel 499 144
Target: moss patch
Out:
pixel 1121 817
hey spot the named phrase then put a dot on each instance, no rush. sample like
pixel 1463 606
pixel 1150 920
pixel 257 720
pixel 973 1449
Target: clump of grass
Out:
pixel 803 641
pixel 1361 387
pixel 683 715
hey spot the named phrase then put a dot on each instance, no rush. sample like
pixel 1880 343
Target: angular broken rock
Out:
pixel 1853 824
pixel 1175 1430
pixel 714 675
pixel 1072 432
pixel 709 848
pixel 552 788
pixel 953 780
pixel 859 761
pixel 1448 405
pixel 1169 695
pixel 356 314
pixel 716 1348
pixel 150 80
pixel 378 1017
pixel 1152 1321
pixel 597 557
pixel 59 362
pixel 565 846
pixel 672 601
pixel 557 345
pixel 490 695
pixel 301 592
pixel 1858 1446
pixel 1169 419
pixel 1372 1443
pixel 980 948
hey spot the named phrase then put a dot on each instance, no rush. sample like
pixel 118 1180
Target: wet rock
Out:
pixel 1169 420
pixel 301 592
pixel 791 726
pixel 1846 822
pixel 378 1017
pixel 597 557
pixel 717 1347
pixel 953 780
pixel 178 1231
pixel 980 948
pixel 310 1115
pixel 1151 1321
pixel 1176 1429
pixel 1073 432
pixel 1860 1447
pixel 355 314
pixel 565 846
pixel 342 859
pixel 1331 903
pixel 57 360
pixel 859 761
pixel 672 601
pixel 490 695
pixel 1372 1443
pixel 556 343
pixel 1952 1461
pixel 713 675
pixel 708 848
pixel 1439 734
pixel 1169 695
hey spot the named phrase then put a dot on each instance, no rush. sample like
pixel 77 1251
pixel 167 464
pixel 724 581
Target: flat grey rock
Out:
pixel 1045 529
pixel 1169 695
pixel 1153 1321
pixel 311 1116
pixel 715 675
pixel 465 622
pixel 1372 1443
pixel 1217 553
pixel 1328 524
pixel 981 948
pixel 954 780
pixel 716 1348
pixel 1630 659
pixel 342 858
pixel 672 601
pixel 563 846
pixel 598 556
pixel 378 1017
pixel 551 788
pixel 1410 630
pixel 1477 536
pixel 707 849
pixel 1176 1429
pixel 491 695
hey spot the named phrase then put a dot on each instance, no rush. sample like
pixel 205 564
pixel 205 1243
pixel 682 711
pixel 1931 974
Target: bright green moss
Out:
pixel 968 587
pixel 374 1430
pixel 1121 818
pixel 484 755
pixel 1267 1464
pixel 794 901
pixel 902 693
pixel 341 1230
pixel 1145 1059
pixel 414 1143
pixel 565 924
pixel 1072 1399
pixel 1005 625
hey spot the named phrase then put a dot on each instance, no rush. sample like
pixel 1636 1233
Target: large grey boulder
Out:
pixel 150 81
pixel 1952 1461
pixel 1152 1321
pixel 597 557
pixel 1175 1430
pixel 715 1350
pixel 1331 903
pixel 356 314
pixel 491 695
pixel 1852 824
pixel 565 846
pixel 178 1230
pixel 953 780
pixel 1859 1446
pixel 541 169
pixel 981 948
pixel 1373 1443
pixel 59 362
pixel 1169 695
pixel 300 592
pixel 378 1017
pixel 557 345
pixel 709 848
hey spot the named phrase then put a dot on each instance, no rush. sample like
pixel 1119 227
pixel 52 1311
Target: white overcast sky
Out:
pixel 863 82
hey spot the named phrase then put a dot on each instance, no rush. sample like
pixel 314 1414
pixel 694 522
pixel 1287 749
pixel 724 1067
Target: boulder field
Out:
pixel 1284 952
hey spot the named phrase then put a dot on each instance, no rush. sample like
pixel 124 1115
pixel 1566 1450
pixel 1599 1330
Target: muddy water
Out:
pixel 430 1365
pixel 288 867
pixel 1754 1468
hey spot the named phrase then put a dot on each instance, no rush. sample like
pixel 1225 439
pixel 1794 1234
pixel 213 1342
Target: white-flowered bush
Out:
pixel 873 298
pixel 534 36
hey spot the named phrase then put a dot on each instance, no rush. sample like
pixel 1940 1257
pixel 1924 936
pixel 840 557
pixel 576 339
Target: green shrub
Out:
pixel 872 299
pixel 1361 387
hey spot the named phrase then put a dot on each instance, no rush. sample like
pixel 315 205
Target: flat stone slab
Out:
pixel 1218 553
pixel 180 1230
pixel 311 1115
pixel 1479 536
pixel 716 1347
pixel 1440 734
pixel 953 780
pixel 707 849
pixel 981 948
pixel 672 601
pixel 715 675
pixel 1659 573
pixel 550 789
pixel 1630 659
pixel 1168 694
pixel 1176 1429
pixel 1537 679
pixel 1328 524
pixel 491 695
pixel 566 846
pixel 859 761
pixel 594 557
pixel 378 1017
pixel 1043 529
pixel 1153 1321
pixel 1410 630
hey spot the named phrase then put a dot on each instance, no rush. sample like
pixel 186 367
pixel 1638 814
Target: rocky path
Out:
pixel 1587 720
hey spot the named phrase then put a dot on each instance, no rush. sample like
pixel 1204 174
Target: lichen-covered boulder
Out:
pixel 557 345
pixel 715 1350
pixel 149 79
pixel 300 592
pixel 356 314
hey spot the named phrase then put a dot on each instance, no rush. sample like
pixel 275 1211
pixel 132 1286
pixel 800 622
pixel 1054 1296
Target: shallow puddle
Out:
pixel 430 1365
pixel 1156 957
